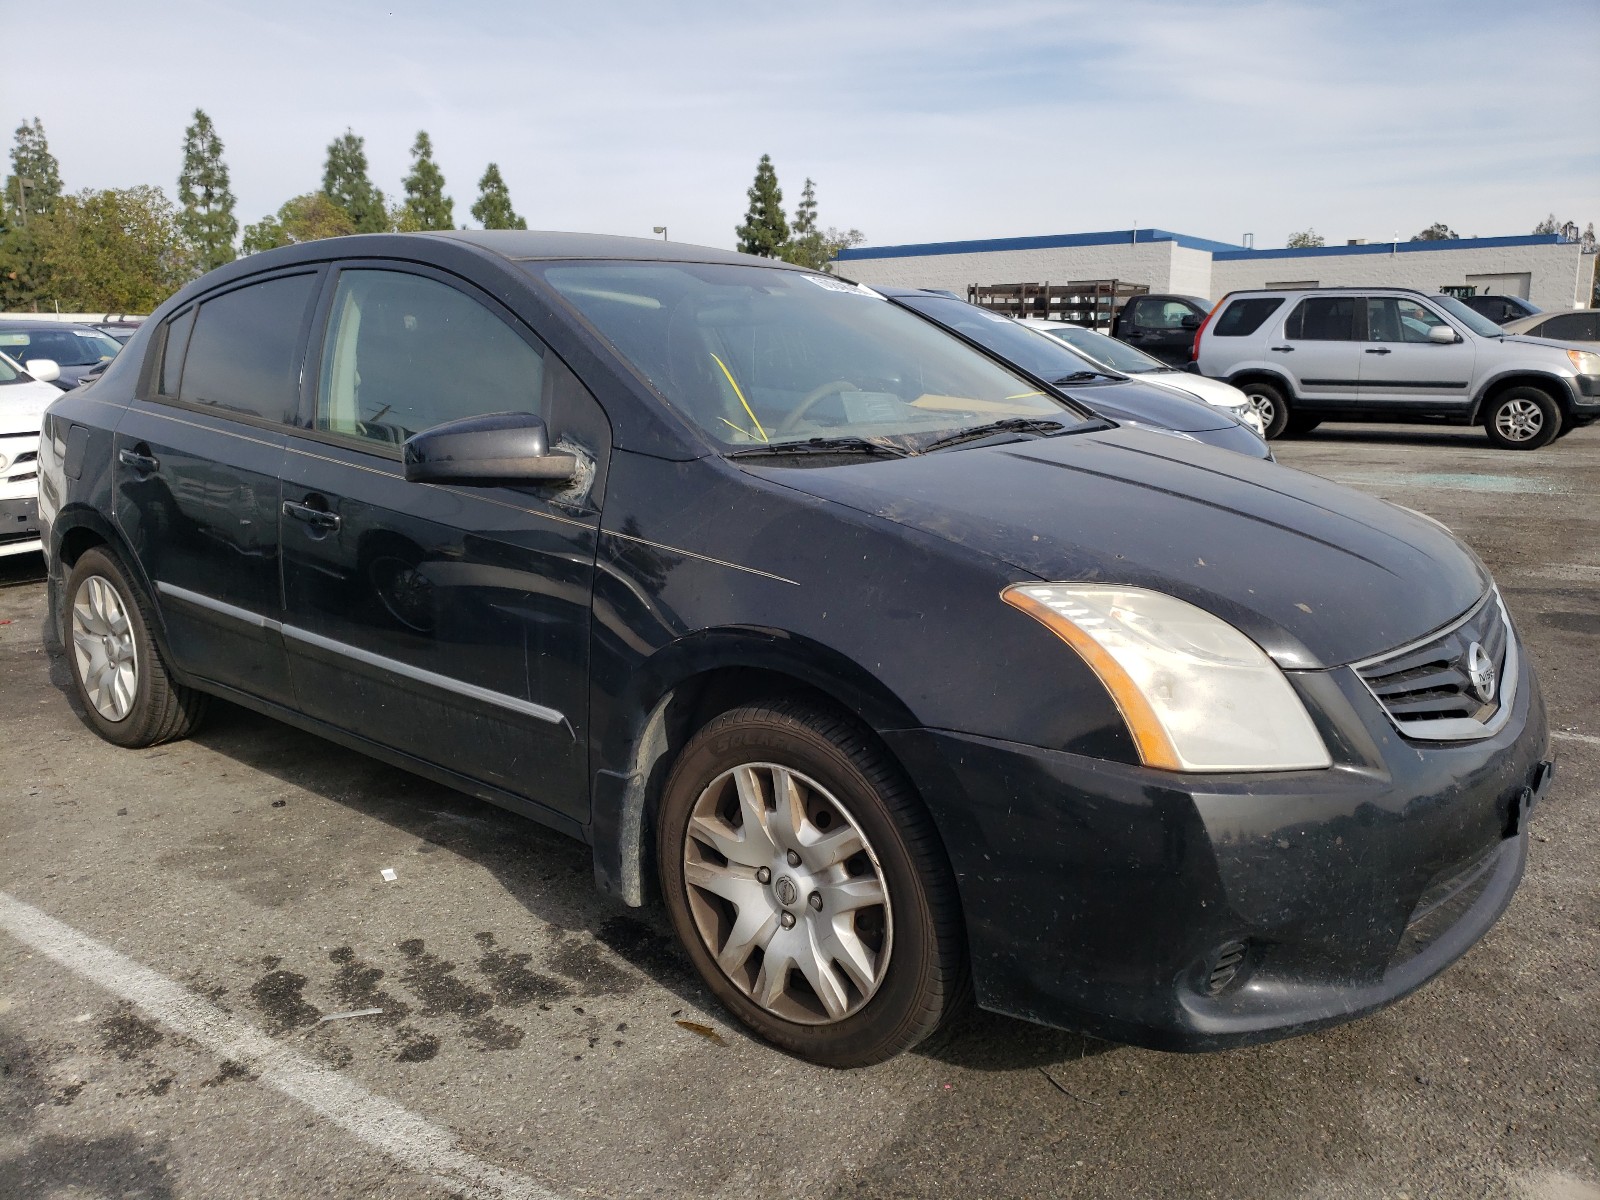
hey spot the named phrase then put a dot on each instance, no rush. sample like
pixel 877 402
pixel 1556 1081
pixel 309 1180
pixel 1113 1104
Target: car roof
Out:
pixel 24 323
pixel 521 245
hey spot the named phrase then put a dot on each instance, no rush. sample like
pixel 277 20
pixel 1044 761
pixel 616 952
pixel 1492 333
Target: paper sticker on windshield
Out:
pixel 828 283
pixel 14 339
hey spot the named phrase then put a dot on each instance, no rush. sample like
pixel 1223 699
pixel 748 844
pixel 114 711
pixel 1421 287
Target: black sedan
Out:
pixel 79 350
pixel 894 674
pixel 1103 390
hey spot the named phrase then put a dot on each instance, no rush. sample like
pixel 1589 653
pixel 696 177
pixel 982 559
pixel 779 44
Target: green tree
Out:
pixel 493 209
pixel 835 240
pixel 34 185
pixel 345 182
pixel 117 249
pixel 1305 239
pixel 207 218
pixel 426 207
pixel 765 229
pixel 1437 232
pixel 307 218
pixel 804 246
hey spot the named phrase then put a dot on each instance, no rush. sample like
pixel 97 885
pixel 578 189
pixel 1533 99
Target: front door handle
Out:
pixel 1383 350
pixel 1283 349
pixel 145 463
pixel 317 518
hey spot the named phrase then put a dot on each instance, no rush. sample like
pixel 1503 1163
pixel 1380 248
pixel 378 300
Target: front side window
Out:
pixel 404 353
pixel 244 351
pixel 1160 314
pixel 757 356
pixel 1323 319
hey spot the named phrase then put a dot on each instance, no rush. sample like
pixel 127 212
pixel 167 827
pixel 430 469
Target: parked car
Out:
pixel 121 330
pixel 1105 391
pixel 1392 354
pixel 75 349
pixel 892 673
pixel 1113 355
pixel 1161 325
pixel 1575 326
pixel 1501 309
pixel 23 399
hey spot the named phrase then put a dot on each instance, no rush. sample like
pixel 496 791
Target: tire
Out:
pixel 905 940
pixel 1522 418
pixel 1299 424
pixel 1269 402
pixel 106 621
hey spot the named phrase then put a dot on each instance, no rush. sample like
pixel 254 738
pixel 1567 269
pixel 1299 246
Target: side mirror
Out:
pixel 1190 322
pixel 499 449
pixel 45 370
pixel 1443 335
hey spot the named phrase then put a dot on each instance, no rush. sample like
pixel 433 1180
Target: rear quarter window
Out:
pixel 1244 317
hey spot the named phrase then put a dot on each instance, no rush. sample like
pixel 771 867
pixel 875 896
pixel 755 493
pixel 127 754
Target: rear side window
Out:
pixel 244 351
pixel 1244 317
pixel 1570 326
pixel 1323 319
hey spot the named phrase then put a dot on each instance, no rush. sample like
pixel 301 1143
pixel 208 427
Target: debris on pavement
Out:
pixel 705 1031
pixel 354 1012
pixel 389 874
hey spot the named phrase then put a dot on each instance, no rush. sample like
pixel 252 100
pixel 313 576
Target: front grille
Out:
pixel 1439 689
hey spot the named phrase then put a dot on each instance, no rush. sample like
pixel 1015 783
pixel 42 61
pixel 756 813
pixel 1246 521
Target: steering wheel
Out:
pixel 810 401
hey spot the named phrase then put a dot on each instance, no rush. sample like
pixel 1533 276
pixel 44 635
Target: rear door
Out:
pixel 1156 325
pixel 1317 346
pixel 450 623
pixel 1402 368
pixel 196 462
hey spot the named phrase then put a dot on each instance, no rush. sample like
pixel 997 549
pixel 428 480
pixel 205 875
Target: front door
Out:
pixel 1402 367
pixel 1317 347
pixel 1157 327
pixel 451 623
pixel 196 462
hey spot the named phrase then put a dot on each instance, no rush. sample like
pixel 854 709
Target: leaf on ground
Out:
pixel 705 1031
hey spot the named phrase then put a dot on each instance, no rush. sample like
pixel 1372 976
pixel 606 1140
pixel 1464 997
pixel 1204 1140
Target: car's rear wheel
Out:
pixel 128 695
pixel 1268 403
pixel 808 885
pixel 1522 418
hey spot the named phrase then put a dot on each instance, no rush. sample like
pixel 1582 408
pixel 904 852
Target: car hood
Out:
pixel 1151 403
pixel 1212 391
pixel 1316 573
pixel 22 405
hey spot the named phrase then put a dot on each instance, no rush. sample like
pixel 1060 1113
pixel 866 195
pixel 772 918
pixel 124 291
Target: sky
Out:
pixel 924 121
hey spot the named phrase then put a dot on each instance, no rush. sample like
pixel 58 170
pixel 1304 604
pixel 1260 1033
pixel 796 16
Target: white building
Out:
pixel 1540 267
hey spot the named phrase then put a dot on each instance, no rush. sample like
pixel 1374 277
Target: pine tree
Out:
pixel 765 229
pixel 427 207
pixel 805 247
pixel 345 182
pixel 207 218
pixel 493 209
pixel 805 214
pixel 36 167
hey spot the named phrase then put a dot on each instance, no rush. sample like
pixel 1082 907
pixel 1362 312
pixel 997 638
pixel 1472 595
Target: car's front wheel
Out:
pixel 808 885
pixel 1522 418
pixel 127 693
pixel 1268 403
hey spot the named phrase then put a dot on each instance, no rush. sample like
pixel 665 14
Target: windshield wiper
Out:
pixel 1081 376
pixel 1009 425
pixel 821 445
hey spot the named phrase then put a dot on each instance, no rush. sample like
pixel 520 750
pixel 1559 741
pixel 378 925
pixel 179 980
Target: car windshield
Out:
pixel 1119 356
pixel 1044 357
pixel 67 347
pixel 760 356
pixel 1477 322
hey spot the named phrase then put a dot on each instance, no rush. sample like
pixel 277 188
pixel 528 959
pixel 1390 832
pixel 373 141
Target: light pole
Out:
pixel 661 229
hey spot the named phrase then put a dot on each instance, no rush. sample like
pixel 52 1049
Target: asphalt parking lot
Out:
pixel 177 924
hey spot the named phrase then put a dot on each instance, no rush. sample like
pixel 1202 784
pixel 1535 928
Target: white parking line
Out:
pixel 1587 739
pixel 380 1123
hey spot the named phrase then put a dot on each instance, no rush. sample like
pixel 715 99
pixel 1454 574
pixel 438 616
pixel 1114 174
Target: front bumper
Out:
pixel 1110 898
pixel 19 525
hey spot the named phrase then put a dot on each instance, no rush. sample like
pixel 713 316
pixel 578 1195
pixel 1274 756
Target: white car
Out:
pixel 24 395
pixel 1129 360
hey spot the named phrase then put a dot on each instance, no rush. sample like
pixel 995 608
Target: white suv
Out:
pixel 1393 354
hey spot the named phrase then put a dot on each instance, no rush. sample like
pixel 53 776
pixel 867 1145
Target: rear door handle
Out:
pixel 145 463
pixel 1384 350
pixel 317 518
pixel 1283 349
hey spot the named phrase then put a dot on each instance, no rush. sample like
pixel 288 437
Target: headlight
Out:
pixel 1196 693
pixel 1584 362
